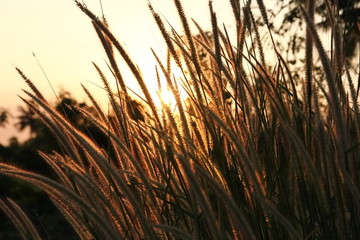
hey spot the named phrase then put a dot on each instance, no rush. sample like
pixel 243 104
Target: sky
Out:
pixel 65 44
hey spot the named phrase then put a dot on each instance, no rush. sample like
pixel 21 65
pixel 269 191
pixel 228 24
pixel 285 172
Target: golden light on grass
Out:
pixel 166 97
pixel 163 94
pixel 269 168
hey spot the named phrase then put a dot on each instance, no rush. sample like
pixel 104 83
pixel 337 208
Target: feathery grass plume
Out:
pixel 228 54
pixel 60 135
pixel 237 217
pixel 271 86
pixel 309 67
pixel 235 6
pixel 262 8
pixel 257 38
pixel 78 140
pixel 337 48
pixel 353 95
pixel 118 107
pixel 187 166
pixel 240 32
pixel 353 129
pixel 211 43
pixel 268 207
pixel 330 78
pixel 337 58
pixel 291 91
pixel 166 36
pixel 75 220
pixel 56 162
pixel 194 57
pixel 250 167
pixel 93 152
pixel 308 165
pixel 270 165
pixel 63 196
pixel 124 55
pixel 98 195
pixel 236 57
pixel 98 109
pixel 125 149
pixel 14 219
pixel 110 54
pixel 176 95
pixel 30 84
pixel 141 168
pixel 20 219
pixel 206 36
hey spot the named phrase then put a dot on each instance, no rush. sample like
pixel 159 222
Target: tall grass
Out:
pixel 246 156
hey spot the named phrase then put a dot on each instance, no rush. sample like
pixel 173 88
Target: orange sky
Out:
pixel 65 43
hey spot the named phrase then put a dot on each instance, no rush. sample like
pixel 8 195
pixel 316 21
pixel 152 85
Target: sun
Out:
pixel 167 97
pixel 157 84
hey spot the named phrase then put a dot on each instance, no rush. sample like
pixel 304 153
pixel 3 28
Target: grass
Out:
pixel 250 154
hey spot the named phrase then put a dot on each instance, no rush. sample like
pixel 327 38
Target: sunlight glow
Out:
pixel 165 96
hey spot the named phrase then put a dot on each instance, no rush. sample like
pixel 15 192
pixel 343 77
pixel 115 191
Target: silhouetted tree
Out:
pixel 346 12
pixel 4 117
pixel 28 119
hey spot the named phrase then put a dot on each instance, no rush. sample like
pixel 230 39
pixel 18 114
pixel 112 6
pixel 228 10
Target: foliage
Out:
pixel 4 117
pixel 345 13
pixel 275 163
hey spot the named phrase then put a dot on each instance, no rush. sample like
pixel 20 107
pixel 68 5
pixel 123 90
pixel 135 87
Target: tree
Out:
pixel 4 117
pixel 28 119
pixel 345 12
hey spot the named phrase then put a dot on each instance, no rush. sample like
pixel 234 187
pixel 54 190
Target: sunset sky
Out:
pixel 65 44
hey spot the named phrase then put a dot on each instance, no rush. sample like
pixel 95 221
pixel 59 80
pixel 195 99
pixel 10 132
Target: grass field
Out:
pixel 248 152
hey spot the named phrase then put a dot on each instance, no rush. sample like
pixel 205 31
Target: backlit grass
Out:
pixel 248 153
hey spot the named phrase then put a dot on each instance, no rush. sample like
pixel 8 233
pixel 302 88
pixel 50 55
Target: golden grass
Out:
pixel 269 165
